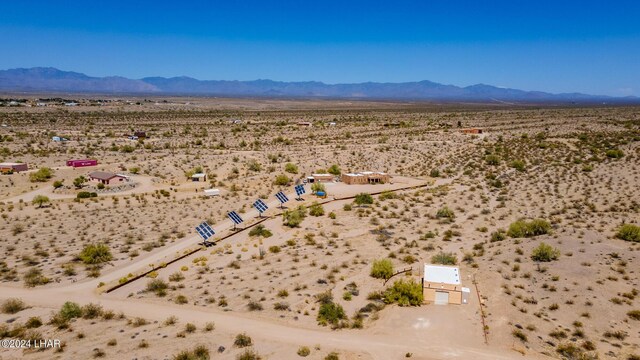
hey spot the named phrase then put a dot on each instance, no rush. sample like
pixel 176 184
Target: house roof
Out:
pixel 441 274
pixel 102 175
pixel 198 175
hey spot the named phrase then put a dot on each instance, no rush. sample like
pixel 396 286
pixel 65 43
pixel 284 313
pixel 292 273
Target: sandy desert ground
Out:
pixel 572 172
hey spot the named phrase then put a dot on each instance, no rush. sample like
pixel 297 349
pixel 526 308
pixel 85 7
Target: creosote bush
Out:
pixel 522 228
pixel 12 306
pixel 93 254
pixel 382 269
pixel 404 293
pixel 545 253
pixel 444 258
pixel 629 232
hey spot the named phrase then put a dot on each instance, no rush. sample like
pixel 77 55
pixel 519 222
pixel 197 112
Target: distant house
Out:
pixel 199 177
pixel 106 178
pixel 71 104
pixel 59 139
pixel 471 131
pixel 441 285
pixel 140 134
pixel 366 177
pixel 10 168
pixel 305 123
pixel 212 192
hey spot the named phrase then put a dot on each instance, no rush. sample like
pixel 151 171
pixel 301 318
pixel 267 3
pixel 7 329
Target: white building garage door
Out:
pixel 442 298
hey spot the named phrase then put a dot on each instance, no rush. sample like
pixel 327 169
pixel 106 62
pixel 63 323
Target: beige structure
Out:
pixel 106 178
pixel 366 177
pixel 320 178
pixel 441 285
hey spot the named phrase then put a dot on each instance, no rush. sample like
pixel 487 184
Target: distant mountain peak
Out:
pixel 49 79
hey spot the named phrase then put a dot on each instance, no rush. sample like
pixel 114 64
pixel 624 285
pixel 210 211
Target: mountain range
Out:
pixel 52 80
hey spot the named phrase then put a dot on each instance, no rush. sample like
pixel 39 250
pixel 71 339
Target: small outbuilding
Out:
pixel 140 134
pixel 107 178
pixel 82 162
pixel 320 178
pixel 441 285
pixel 199 177
pixel 472 131
pixel 212 192
pixel 11 167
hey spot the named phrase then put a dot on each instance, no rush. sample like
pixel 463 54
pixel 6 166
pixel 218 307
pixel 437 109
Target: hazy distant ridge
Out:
pixel 54 80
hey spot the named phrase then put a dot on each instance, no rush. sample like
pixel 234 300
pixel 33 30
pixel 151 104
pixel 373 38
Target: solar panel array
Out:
pixel 205 231
pixel 300 189
pixel 260 206
pixel 282 197
pixel 234 217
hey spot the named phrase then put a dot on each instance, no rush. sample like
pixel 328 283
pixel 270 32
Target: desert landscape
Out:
pixel 536 206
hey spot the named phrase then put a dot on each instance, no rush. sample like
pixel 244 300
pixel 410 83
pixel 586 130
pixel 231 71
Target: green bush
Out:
pixel 157 286
pixel 332 356
pixel 444 258
pixel 293 218
pixel 282 180
pixel 445 212
pixel 100 186
pixel 629 232
pixel 304 351
pixel 519 165
pixel 334 170
pixel 404 293
pixel 330 313
pixel 316 186
pixel 434 173
pixel 42 175
pixel 522 228
pixel 291 168
pixel 40 200
pixel 70 310
pixel 83 195
pixel 248 354
pixel 382 269
pixel 363 199
pixel 34 277
pixel 492 159
pixel 316 209
pixel 634 314
pixel 58 184
pixel 200 352
pixel 545 253
pixel 242 340
pixel 95 254
pixel 614 153
pixel 260 230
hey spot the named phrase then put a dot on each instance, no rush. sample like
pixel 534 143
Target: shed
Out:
pixel 82 162
pixel 140 134
pixel 472 131
pixel 320 178
pixel 441 285
pixel 11 167
pixel 199 177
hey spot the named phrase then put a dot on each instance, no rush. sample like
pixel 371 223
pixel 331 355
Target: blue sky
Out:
pixel 557 46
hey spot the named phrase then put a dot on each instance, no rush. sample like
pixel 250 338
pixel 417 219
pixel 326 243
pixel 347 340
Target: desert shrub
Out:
pixel 346 207
pixel 545 253
pixel 200 352
pixel 316 209
pixel 519 334
pixel 57 184
pixel 100 186
pixel 304 351
pixel 13 305
pixel 33 322
pixel 282 180
pixel 434 173
pixel 254 165
pixel 334 170
pixel 260 230
pixel 83 195
pixel 40 200
pixel 157 286
pixel 386 195
pixel 70 310
pixel 254 306
pixel 330 313
pixel 95 254
pixel 33 277
pixel 248 354
pixel 176 277
pixel 332 356
pixel 614 153
pixel 291 168
pixel 444 258
pixel 634 314
pixel 497 236
pixel 404 293
pixel 42 175
pixel 363 199
pixel 317 186
pixel 446 213
pixel 274 249
pixel 492 159
pixel 522 228
pixel 519 165
pixel 629 232
pixel 91 311
pixel 181 299
pixel 242 340
pixel 293 218
pixel 381 269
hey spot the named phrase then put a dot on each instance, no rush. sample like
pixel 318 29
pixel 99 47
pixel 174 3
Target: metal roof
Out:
pixel 102 175
pixel 441 274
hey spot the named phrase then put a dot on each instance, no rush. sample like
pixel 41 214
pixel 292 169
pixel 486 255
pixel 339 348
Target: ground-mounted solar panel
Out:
pixel 235 217
pixel 300 189
pixel 282 197
pixel 205 231
pixel 260 206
